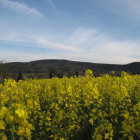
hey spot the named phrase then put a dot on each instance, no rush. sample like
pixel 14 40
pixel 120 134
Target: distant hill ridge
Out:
pixel 67 67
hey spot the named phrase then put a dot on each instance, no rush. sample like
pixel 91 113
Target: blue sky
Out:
pixel 100 31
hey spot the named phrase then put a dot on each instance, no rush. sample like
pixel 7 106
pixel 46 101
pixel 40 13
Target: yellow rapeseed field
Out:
pixel 83 108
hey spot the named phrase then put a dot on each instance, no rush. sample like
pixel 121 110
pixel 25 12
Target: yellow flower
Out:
pixel 9 118
pixel 3 112
pixel 21 113
pixel 28 133
pixel 21 131
pixel 2 125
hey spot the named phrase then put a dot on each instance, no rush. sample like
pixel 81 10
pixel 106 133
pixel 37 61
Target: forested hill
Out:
pixel 68 68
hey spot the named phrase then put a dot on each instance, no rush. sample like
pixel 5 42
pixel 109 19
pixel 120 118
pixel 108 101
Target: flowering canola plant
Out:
pixel 88 107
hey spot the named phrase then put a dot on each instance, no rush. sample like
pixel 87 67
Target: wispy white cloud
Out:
pixel 22 7
pixel 98 47
pixel 113 51
pixel 36 41
pixel 131 5
pixel 17 56
pixel 81 36
pixel 82 45
pixel 51 3
pixel 126 8
pixel 45 43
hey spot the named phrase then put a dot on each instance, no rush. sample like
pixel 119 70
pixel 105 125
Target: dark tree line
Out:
pixel 60 68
